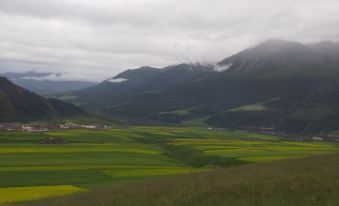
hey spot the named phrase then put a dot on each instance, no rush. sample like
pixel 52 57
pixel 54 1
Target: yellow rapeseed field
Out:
pixel 17 194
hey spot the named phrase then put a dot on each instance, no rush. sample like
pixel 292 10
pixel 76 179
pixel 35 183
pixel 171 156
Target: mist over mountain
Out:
pixel 329 49
pixel 18 104
pixel 288 86
pixel 284 59
pixel 45 83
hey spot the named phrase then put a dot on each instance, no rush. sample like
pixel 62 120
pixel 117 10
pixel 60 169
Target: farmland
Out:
pixel 91 159
pixel 311 181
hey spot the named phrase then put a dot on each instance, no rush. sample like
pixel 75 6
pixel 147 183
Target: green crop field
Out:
pixel 311 181
pixel 256 151
pixel 253 107
pixel 91 158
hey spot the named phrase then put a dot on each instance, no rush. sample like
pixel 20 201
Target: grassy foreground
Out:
pixel 308 181
pixel 93 159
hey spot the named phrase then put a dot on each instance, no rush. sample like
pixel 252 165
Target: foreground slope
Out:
pixel 18 104
pixel 309 181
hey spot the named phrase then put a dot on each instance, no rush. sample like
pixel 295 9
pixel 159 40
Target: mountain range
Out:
pixel 288 86
pixel 18 104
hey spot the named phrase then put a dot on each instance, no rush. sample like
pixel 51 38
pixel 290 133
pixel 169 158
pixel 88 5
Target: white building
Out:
pixel 317 138
pixel 89 126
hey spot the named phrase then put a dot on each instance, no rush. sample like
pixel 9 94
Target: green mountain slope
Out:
pixel 18 104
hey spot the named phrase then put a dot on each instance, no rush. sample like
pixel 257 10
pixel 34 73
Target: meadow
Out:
pixel 92 159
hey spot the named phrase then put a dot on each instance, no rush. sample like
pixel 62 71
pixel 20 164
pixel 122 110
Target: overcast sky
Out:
pixel 96 39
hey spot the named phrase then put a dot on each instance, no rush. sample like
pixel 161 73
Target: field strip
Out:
pixel 17 194
pixel 75 150
pixel 270 158
pixel 147 172
pixel 83 167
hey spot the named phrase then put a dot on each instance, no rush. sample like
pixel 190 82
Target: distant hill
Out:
pixel 18 104
pixel 328 48
pixel 40 83
pixel 144 80
pixel 295 87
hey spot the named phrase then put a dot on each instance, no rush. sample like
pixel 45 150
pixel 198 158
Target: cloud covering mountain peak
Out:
pixel 97 38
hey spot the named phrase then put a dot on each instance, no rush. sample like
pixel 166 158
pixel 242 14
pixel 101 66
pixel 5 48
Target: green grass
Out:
pixel 312 181
pixel 197 122
pixel 146 172
pixel 20 137
pixel 181 112
pixel 94 159
pixel 253 107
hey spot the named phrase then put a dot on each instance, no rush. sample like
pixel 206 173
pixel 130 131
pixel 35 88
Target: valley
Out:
pixel 91 159
pixel 169 103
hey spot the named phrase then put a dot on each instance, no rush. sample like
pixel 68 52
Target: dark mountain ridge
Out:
pixel 18 104
pixel 290 87
pixel 277 58
pixel 144 80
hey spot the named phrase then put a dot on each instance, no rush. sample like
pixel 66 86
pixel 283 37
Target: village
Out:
pixel 44 126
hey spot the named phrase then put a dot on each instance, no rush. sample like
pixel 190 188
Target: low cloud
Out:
pixel 222 68
pixel 60 77
pixel 118 80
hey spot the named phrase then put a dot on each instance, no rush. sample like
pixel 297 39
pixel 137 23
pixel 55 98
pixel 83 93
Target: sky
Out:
pixel 94 40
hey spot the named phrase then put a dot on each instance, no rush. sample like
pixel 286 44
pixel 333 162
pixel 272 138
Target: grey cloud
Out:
pixel 96 39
